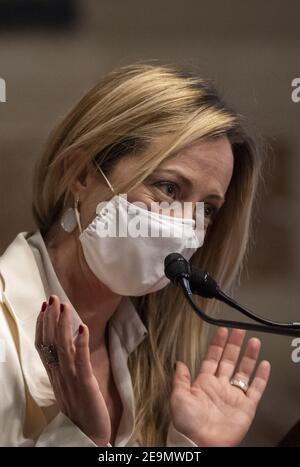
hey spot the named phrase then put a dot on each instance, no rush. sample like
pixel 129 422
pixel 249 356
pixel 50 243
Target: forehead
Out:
pixel 205 153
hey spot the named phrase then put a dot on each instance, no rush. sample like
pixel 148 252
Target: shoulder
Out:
pixel 17 259
pixel 18 245
pixel 19 273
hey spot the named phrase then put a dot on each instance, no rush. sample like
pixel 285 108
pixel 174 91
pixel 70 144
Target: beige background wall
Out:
pixel 253 53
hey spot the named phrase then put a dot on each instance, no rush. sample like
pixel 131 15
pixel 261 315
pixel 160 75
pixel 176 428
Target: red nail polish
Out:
pixel 51 300
pixel 62 307
pixel 80 329
pixel 44 306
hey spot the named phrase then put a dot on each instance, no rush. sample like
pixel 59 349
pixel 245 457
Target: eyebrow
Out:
pixel 189 183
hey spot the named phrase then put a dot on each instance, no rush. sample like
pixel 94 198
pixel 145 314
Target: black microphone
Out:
pixel 203 284
pixel 178 270
pixel 192 280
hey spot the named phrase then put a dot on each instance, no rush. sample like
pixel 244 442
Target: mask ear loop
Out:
pixel 106 179
pixel 77 215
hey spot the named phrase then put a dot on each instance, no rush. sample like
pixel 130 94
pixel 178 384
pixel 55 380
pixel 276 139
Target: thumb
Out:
pixel 182 376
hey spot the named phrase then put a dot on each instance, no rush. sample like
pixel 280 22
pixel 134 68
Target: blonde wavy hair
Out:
pixel 151 112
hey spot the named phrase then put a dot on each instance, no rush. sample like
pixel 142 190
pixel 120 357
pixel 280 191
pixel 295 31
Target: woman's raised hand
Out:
pixel 210 410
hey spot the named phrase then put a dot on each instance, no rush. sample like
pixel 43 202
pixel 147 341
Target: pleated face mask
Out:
pixel 125 245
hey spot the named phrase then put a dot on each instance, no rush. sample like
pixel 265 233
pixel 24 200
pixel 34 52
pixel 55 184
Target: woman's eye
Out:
pixel 168 188
pixel 210 211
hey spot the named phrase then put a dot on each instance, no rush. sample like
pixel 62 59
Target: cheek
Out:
pixel 87 209
pixel 87 215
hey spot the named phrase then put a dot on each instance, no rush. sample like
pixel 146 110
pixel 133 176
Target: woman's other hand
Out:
pixel 75 387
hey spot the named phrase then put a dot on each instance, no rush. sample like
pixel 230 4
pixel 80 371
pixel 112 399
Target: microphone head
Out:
pixel 177 267
pixel 202 284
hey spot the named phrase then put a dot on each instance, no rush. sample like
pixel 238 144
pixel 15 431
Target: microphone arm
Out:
pixel 281 330
pixel 202 284
pixel 179 271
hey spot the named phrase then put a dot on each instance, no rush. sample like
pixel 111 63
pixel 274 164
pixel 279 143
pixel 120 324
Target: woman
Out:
pixel 101 350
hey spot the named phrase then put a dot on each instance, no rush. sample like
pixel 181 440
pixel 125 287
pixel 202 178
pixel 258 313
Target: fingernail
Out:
pixel 62 307
pixel 44 306
pixel 80 329
pixel 51 300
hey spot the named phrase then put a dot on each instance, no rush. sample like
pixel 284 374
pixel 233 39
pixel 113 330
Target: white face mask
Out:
pixel 122 254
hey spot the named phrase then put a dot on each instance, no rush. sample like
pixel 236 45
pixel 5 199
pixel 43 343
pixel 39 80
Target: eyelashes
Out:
pixel 210 212
pixel 168 188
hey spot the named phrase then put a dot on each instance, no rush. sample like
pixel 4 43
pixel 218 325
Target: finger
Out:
pixel 248 361
pixel 50 320
pixel 39 340
pixel 64 340
pixel 259 382
pixel 182 377
pixel 52 375
pixel 82 354
pixel 39 327
pixel 231 353
pixel 214 352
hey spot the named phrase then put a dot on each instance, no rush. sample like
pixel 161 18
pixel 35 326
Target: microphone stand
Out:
pixel 294 330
